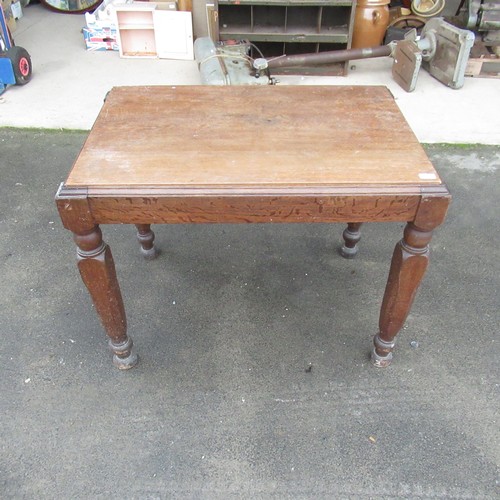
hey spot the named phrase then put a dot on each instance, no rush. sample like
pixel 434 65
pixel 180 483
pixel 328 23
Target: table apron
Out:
pixel 253 209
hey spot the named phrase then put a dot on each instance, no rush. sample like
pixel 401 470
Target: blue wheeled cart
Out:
pixel 15 62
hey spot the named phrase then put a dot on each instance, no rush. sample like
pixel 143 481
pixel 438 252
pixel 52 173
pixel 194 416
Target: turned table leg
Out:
pixel 146 238
pixel 97 269
pixel 351 235
pixel 408 266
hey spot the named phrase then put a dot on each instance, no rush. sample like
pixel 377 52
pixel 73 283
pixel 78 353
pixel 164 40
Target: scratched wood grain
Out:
pixel 241 209
pixel 251 136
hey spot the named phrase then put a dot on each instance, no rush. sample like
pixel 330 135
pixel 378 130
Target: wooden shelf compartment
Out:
pixel 129 18
pixel 289 27
pixel 266 22
pixel 138 43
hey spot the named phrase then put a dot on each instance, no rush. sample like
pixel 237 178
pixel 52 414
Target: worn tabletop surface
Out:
pixel 262 136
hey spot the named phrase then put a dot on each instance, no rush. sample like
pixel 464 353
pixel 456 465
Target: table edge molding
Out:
pixel 235 191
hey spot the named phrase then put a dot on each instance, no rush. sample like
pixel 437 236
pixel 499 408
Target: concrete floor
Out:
pixel 69 85
pixel 226 322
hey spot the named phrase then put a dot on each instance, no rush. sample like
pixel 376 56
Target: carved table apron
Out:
pixel 201 154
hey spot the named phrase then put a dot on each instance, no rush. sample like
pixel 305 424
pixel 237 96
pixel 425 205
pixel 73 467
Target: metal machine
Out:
pixel 442 49
pixel 483 16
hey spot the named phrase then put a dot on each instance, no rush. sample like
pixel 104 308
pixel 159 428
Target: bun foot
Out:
pixel 348 253
pixel 149 253
pixel 381 361
pixel 382 352
pixel 146 238
pixel 124 357
pixel 351 235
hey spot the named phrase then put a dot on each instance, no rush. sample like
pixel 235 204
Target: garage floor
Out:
pixel 254 379
pixel 70 83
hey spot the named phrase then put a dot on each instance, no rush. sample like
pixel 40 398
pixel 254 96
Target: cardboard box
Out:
pixel 9 18
pixel 160 5
pixel 100 38
pixel 17 11
pixel 104 15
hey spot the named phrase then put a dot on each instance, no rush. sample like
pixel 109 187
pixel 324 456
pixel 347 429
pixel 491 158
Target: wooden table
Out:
pixel 251 154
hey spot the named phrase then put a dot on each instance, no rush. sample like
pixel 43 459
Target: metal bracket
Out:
pixel 407 62
pixel 452 51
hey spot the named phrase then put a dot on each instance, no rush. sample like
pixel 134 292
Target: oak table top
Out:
pixel 251 136
pixel 198 154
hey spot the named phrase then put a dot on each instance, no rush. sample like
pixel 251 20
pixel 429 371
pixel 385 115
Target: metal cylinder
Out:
pixel 330 57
